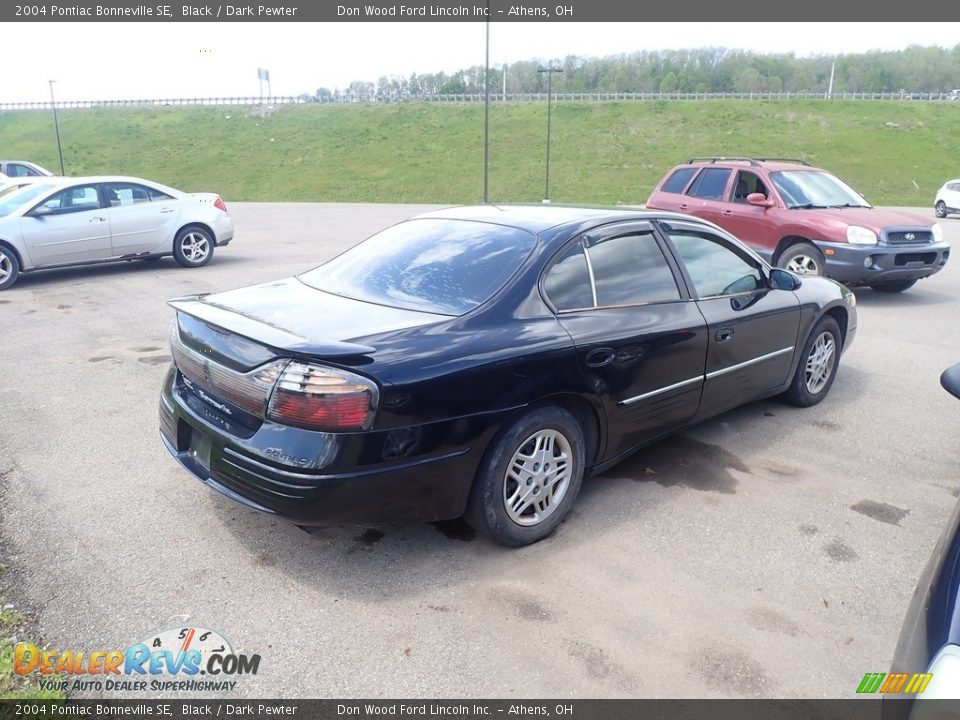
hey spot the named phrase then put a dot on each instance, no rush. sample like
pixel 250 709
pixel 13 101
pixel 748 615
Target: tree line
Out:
pixel 704 70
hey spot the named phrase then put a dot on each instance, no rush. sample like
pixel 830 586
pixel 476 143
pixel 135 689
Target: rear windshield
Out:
pixel 431 265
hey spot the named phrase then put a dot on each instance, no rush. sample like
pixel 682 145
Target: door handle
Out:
pixel 723 334
pixel 98 219
pixel 600 357
pixel 683 206
pixel 727 213
pixel 166 210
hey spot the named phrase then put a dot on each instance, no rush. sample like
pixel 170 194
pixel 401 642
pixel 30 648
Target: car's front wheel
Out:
pixel 803 259
pixel 9 267
pixel 529 478
pixel 818 364
pixel 193 247
pixel 940 209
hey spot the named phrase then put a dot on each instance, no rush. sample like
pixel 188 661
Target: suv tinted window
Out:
pixel 747 183
pixel 567 285
pixel 710 183
pixel 631 269
pixel 678 181
pixel 430 265
pixel 714 267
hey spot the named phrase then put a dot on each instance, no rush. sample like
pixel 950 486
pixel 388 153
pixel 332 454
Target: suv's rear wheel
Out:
pixel 803 259
pixel 940 209
pixel 894 286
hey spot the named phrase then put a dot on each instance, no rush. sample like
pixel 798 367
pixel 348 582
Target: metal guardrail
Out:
pixel 477 97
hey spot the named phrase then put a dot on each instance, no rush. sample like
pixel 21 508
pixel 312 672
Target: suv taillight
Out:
pixel 219 204
pixel 314 397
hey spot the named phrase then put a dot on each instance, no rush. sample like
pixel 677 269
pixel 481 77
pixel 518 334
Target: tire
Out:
pixel 803 259
pixel 525 455
pixel 940 209
pixel 894 286
pixel 9 267
pixel 818 364
pixel 193 247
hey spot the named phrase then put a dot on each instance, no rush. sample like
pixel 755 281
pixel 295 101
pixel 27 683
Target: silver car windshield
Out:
pixel 12 201
pixel 815 189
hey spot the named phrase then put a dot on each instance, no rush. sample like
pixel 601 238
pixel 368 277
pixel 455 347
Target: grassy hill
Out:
pixel 895 153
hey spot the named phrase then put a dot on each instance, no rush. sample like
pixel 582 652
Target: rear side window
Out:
pixel 630 270
pixel 568 285
pixel 621 270
pixel 431 265
pixel 710 183
pixel 678 181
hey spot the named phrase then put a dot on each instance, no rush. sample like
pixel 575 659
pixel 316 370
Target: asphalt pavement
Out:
pixel 770 552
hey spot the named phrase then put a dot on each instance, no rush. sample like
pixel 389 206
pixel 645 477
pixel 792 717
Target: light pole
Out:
pixel 549 71
pixel 56 125
pixel 486 115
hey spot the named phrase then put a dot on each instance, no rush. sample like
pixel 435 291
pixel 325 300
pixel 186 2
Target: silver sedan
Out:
pixel 60 222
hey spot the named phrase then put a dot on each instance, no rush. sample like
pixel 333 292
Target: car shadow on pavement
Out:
pixel 364 562
pixel 91 273
pixel 917 296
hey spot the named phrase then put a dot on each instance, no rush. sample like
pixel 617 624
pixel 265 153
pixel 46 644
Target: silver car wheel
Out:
pixel 6 268
pixel 820 362
pixel 195 247
pixel 537 477
pixel 803 265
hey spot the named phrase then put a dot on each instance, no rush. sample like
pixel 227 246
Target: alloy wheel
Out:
pixel 537 477
pixel 195 247
pixel 6 268
pixel 803 265
pixel 820 362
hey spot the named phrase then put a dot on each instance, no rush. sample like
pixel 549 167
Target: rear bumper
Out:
pixel 414 474
pixel 848 263
pixel 223 229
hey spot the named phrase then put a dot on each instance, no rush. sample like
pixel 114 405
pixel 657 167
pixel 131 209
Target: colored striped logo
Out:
pixel 894 683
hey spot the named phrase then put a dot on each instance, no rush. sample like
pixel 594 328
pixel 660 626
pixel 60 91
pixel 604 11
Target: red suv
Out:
pixel 805 220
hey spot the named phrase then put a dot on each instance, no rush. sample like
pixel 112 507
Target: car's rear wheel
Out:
pixel 193 247
pixel 9 267
pixel 818 364
pixel 803 259
pixel 529 478
pixel 894 286
pixel 940 209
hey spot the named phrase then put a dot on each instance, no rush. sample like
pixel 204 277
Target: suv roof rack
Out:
pixel 753 161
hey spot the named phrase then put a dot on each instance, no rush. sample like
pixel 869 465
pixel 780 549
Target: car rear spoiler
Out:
pixel 252 329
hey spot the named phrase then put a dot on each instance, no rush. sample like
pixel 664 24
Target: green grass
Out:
pixel 896 153
pixel 13 686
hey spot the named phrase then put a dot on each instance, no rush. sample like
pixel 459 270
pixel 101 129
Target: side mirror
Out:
pixel 760 200
pixel 40 211
pixel 782 280
pixel 951 380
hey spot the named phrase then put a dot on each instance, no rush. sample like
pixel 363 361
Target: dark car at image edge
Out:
pixel 481 361
pixel 806 220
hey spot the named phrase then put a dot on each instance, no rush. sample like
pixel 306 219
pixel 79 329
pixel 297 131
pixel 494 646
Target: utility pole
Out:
pixel 56 125
pixel 549 71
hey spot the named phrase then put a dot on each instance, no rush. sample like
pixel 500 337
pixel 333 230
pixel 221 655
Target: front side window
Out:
pixel 714 267
pixel 18 170
pixel 746 184
pixel 430 265
pixel 710 183
pixel 75 199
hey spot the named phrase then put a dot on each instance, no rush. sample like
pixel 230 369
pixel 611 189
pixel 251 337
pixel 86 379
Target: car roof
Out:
pixel 537 218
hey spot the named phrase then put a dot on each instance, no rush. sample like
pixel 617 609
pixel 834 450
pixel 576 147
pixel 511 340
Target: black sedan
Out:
pixel 481 361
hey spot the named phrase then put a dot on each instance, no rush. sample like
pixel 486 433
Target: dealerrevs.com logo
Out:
pixel 178 659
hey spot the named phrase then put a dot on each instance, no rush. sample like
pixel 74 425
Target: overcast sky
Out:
pixel 93 61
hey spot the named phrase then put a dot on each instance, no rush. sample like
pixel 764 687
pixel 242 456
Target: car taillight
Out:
pixel 314 397
pixel 219 204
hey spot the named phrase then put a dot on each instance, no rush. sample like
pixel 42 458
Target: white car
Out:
pixel 58 222
pixel 22 168
pixel 948 198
